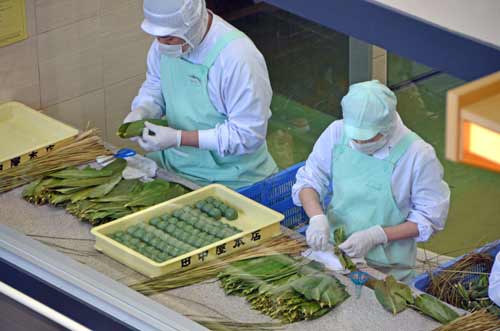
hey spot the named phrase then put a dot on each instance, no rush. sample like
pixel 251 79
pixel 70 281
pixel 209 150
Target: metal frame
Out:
pixel 402 34
pixel 113 301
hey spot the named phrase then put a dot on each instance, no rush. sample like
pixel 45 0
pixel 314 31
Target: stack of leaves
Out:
pixel 83 149
pixel 465 283
pixel 339 236
pixel 284 288
pixel 396 297
pixel 175 279
pixel 481 320
pixel 99 196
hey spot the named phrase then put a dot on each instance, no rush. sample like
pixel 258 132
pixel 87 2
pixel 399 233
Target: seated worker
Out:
pixel 212 84
pixel 388 188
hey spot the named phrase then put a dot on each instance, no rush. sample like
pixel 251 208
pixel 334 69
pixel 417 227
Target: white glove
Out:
pixel 141 113
pixel 157 138
pixel 361 242
pixel 318 233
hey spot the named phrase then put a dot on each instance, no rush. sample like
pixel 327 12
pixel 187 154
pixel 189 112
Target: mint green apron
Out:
pixel 188 107
pixel 362 198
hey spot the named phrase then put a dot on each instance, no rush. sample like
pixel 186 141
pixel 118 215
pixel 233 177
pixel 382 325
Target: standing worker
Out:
pixel 212 84
pixel 388 188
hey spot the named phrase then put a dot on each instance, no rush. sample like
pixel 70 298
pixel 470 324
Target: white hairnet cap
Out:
pixel 186 19
pixel 369 108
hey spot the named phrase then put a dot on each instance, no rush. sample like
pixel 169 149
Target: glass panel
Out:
pixel 308 67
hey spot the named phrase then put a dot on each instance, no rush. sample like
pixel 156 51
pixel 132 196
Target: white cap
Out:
pixel 186 19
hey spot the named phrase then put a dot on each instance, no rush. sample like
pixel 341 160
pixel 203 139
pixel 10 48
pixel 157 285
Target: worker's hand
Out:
pixel 318 233
pixel 157 138
pixel 141 113
pixel 360 243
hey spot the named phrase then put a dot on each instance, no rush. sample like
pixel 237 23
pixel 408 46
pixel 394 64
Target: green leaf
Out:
pixel 87 172
pixel 434 308
pixel 392 295
pixel 97 191
pixel 134 129
pixel 29 190
pixel 339 235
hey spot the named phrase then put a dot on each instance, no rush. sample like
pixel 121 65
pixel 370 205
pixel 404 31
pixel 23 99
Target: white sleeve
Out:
pixel 317 172
pixel 494 280
pixel 245 93
pixel 430 197
pixel 150 94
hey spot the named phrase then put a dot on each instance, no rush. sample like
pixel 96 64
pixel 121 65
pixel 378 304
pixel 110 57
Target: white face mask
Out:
pixel 369 148
pixel 174 51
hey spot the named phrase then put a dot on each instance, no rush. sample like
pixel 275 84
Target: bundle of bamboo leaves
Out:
pixel 462 285
pixel 284 288
pixel 83 149
pixel 480 320
pixel 99 196
pixel 275 246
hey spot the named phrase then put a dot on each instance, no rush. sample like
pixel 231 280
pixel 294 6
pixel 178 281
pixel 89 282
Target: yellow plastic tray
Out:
pixel 257 223
pixel 26 134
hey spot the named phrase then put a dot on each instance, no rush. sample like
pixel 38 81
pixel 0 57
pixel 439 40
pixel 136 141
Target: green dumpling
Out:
pixel 207 207
pixel 215 213
pixel 154 221
pixel 231 214
pixel 177 213
pixel 119 234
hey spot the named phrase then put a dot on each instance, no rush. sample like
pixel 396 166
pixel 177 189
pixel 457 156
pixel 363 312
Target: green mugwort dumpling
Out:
pixel 155 221
pixel 163 225
pixel 207 207
pixel 210 199
pixel 215 213
pixel 177 213
pixel 170 228
pixel 231 214
pixel 222 207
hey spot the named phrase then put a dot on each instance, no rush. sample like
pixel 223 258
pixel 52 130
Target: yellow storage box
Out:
pixel 26 134
pixel 256 222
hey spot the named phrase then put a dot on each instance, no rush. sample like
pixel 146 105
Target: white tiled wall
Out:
pixel 82 64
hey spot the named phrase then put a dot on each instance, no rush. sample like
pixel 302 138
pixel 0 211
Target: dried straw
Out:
pixel 220 324
pixel 85 148
pixel 442 285
pixel 480 320
pixel 279 245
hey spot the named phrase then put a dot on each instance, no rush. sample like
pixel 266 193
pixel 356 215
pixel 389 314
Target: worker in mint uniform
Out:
pixel 211 83
pixel 388 188
pixel 494 281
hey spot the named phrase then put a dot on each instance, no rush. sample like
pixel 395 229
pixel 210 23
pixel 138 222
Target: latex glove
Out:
pixel 157 138
pixel 141 114
pixel 318 233
pixel 361 242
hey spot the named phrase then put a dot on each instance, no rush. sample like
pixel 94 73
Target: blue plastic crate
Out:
pixel 275 192
pixel 421 282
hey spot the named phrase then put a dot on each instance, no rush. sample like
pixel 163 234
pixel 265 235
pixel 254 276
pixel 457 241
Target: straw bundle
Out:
pixel 85 148
pixel 480 320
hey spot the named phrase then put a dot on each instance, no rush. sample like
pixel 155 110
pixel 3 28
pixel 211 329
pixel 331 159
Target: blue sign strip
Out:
pixel 399 33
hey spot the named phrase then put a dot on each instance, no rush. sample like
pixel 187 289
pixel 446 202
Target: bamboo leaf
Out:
pixel 134 129
pixel 434 308
pixel 87 172
pixel 386 293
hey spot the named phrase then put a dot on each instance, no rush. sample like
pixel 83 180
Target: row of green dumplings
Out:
pixel 171 235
